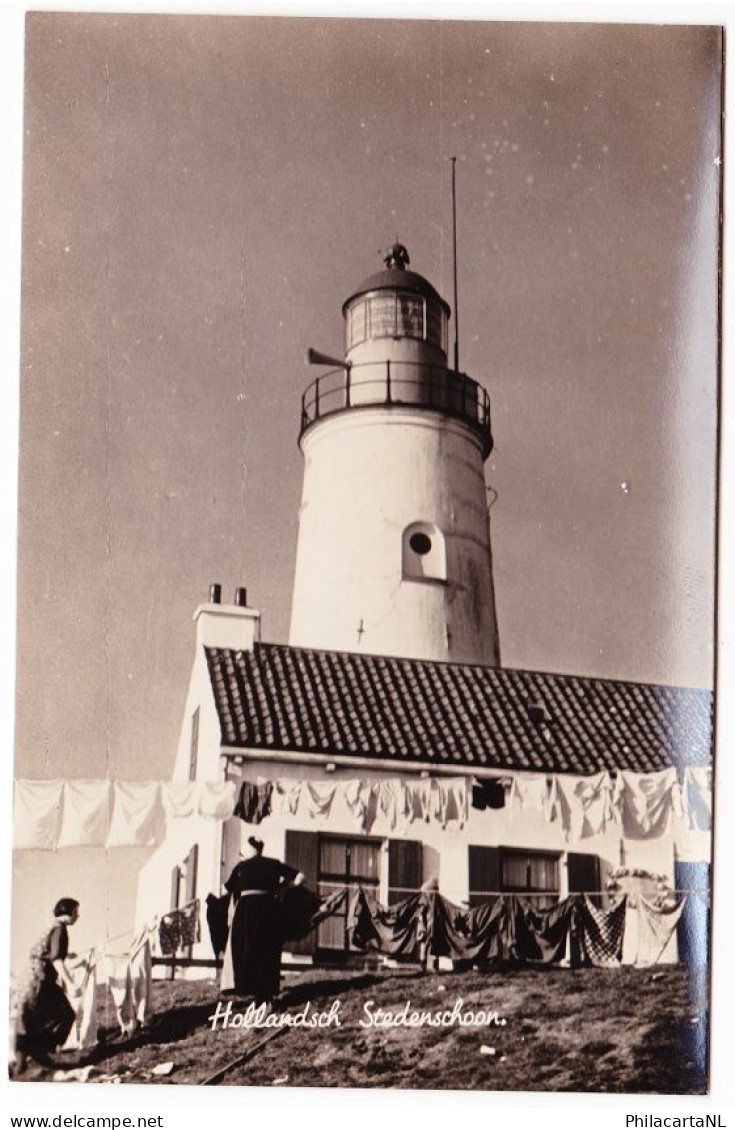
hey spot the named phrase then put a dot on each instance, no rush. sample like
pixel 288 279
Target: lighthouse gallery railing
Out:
pixel 411 384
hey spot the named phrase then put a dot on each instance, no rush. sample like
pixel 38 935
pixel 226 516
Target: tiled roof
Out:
pixel 371 706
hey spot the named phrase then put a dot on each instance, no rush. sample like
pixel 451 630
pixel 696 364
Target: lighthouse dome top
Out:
pixel 396 277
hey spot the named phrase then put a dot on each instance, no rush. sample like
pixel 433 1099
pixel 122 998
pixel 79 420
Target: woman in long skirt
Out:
pixel 46 1016
pixel 256 932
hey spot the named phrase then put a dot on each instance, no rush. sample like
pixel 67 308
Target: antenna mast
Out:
pixel 454 257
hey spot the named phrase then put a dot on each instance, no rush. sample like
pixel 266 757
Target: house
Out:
pixel 394 747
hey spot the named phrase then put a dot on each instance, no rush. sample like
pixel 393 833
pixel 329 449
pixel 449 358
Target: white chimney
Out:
pixel 235 626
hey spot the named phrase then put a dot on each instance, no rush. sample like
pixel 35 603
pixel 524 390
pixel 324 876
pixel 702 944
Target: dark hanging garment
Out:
pixel 254 802
pixel 299 907
pixel 488 794
pixel 541 935
pixel 217 921
pixel 396 931
pixel 477 934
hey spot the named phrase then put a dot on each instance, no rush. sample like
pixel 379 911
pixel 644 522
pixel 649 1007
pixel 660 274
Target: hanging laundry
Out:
pixel 394 803
pixel 362 801
pixel 584 804
pixel 656 924
pixel 86 814
pixel 130 980
pixel 645 802
pixel 37 811
pixel 190 928
pixel 597 935
pixel 419 799
pixel 180 799
pixel 179 928
pixel 394 930
pixel 217 922
pixel 451 800
pixel 478 934
pixel 169 934
pixel 489 793
pixel 137 814
pixel 285 797
pixel 254 802
pixel 83 1034
pixel 318 797
pixel 698 798
pixel 530 793
pixel 301 910
pixel 217 799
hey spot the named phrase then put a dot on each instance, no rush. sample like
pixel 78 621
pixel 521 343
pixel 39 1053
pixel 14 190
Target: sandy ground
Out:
pixel 623 1030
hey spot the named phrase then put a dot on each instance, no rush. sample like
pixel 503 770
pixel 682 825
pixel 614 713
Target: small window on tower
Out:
pixel 424 553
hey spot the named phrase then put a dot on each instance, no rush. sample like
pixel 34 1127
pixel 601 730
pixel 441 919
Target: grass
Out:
pixel 621 1030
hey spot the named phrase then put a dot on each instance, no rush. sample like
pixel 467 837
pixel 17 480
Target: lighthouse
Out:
pixel 394 554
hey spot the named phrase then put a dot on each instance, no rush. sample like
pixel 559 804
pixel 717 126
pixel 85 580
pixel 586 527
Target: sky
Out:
pixel 200 197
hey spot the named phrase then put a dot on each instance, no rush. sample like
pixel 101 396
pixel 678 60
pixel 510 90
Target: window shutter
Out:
pixel 194 747
pixel 405 869
pixel 174 899
pixel 583 873
pixel 192 863
pixel 484 872
pixel 302 853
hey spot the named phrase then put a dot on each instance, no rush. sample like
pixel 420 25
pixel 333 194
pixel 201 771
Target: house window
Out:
pixel 534 874
pixel 424 553
pixel 347 863
pixel 194 748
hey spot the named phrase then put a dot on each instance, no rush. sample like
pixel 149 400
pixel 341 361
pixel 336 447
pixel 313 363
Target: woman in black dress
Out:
pixel 257 935
pixel 46 1016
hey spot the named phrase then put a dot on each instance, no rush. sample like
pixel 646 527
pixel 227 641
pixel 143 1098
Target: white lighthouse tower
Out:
pixel 394 550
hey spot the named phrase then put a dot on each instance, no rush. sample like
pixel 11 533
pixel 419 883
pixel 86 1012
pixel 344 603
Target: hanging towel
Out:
pixel 451 801
pixel 698 798
pixel 394 803
pixel 217 799
pixel 530 793
pixel 141 976
pixel 254 802
pixel 645 802
pixel 180 799
pixel 418 799
pixel 285 797
pixel 597 935
pixel 130 980
pixel 584 804
pixel 656 924
pixel 137 814
pixel 83 1033
pixel 319 797
pixel 86 814
pixel 360 797
pixel 37 813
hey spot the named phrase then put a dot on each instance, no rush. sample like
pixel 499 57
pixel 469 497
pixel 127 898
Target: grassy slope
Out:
pixel 582 1030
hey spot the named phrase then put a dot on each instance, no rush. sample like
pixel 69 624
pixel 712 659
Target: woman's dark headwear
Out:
pixel 257 844
pixel 65 906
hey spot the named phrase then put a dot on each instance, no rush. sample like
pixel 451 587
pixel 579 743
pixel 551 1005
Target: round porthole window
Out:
pixel 420 543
